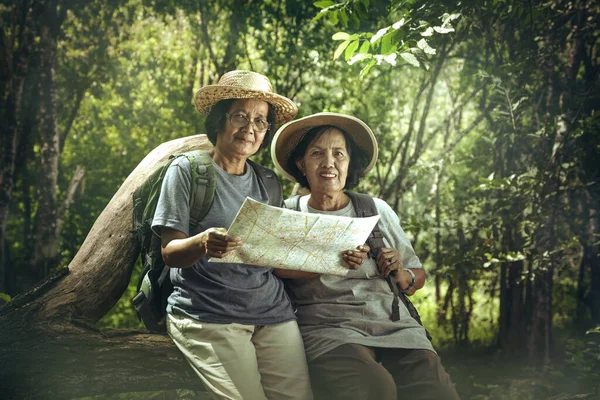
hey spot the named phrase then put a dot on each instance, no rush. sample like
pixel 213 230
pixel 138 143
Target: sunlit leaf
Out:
pixel 379 34
pixel 340 36
pixel 423 45
pixel 351 49
pixel 398 24
pixel 323 4
pixel 358 57
pixel 364 48
pixel 428 32
pixel 340 49
pixel 410 58
pixel 367 68
pixel 443 30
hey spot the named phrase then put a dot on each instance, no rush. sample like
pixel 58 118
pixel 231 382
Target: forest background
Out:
pixel 485 114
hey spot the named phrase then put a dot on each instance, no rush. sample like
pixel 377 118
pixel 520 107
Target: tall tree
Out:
pixel 19 29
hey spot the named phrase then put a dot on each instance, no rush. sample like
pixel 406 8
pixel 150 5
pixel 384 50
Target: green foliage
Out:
pixel 407 36
pixel 4 298
pixel 488 151
pixel 583 355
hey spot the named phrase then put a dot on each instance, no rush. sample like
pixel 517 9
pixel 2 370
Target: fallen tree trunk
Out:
pixel 49 348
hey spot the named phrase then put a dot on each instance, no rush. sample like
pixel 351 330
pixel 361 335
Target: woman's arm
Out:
pixel 390 262
pixel 400 255
pixel 180 251
pixel 404 279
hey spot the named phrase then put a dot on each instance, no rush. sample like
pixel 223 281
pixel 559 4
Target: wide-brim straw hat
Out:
pixel 289 135
pixel 240 84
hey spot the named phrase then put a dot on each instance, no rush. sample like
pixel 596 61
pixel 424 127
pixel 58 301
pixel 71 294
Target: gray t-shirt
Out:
pixel 219 292
pixel 334 310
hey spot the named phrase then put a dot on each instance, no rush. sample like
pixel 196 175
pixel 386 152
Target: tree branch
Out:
pixel 68 200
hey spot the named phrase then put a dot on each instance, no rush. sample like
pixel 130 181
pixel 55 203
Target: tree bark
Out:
pixel 48 348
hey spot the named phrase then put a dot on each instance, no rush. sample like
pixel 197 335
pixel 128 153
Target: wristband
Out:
pixel 412 282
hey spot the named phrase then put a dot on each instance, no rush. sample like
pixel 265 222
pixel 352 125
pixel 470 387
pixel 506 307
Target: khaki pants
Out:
pixel 355 372
pixel 244 362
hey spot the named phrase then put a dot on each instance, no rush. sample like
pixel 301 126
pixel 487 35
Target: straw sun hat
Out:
pixel 241 84
pixel 289 135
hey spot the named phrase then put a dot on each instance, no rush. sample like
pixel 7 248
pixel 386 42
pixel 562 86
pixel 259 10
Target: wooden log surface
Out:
pixel 49 348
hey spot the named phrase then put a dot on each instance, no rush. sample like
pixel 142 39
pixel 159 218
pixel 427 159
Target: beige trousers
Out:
pixel 244 362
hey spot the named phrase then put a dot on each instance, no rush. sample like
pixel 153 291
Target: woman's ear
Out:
pixel 300 165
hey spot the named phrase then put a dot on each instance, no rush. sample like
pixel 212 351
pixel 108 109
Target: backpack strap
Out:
pixel 364 206
pixel 203 184
pixel 293 203
pixel 271 182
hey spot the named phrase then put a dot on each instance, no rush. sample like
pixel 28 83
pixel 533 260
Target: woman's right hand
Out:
pixel 354 258
pixel 217 243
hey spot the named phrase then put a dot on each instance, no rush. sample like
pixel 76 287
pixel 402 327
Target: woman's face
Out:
pixel 244 141
pixel 325 162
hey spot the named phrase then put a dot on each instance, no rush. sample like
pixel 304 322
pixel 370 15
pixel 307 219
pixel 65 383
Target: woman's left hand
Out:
pixel 388 260
pixel 354 258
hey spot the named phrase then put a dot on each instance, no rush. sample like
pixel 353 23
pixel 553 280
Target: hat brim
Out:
pixel 207 96
pixel 289 135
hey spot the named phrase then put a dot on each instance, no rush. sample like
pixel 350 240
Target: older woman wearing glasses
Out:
pixel 234 323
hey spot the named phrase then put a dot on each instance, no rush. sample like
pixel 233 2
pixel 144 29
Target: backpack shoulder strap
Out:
pixel 293 203
pixel 203 184
pixel 364 206
pixel 271 182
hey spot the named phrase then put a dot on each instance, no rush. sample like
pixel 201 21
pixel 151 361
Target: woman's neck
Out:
pixel 328 201
pixel 233 165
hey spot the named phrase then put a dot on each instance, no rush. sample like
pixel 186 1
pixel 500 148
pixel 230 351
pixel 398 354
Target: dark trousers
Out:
pixel 355 372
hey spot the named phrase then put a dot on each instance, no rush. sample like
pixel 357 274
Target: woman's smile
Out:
pixel 326 162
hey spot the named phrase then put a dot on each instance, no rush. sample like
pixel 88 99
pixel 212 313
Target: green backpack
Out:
pixel 154 286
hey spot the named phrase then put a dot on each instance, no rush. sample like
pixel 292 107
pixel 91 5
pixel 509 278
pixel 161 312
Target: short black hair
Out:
pixel 359 160
pixel 215 121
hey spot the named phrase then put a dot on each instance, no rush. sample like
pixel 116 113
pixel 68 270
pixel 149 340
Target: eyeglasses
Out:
pixel 240 121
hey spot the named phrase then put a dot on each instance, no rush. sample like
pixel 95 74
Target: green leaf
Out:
pixel 399 24
pixel 428 32
pixel 423 45
pixel 344 18
pixel 4 297
pixel 320 15
pixel 333 17
pixel 358 57
pixel 340 49
pixel 410 58
pixel 323 4
pixel 351 49
pixel 390 58
pixel 386 45
pixel 367 68
pixel 443 30
pixel 379 34
pixel 450 17
pixel 364 48
pixel 340 36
